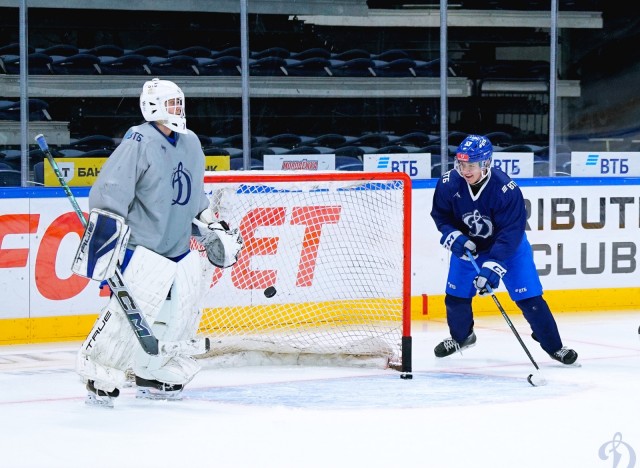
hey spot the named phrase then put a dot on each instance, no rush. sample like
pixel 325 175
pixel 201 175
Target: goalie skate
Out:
pixel 156 390
pixel 97 397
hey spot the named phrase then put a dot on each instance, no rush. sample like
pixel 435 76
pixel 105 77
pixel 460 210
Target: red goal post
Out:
pixel 335 246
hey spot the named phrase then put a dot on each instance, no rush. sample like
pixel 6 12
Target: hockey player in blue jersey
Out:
pixel 481 210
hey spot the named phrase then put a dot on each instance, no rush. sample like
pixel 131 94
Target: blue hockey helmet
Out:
pixel 475 149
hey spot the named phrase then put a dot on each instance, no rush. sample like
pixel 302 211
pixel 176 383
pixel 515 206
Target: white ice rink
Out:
pixel 475 410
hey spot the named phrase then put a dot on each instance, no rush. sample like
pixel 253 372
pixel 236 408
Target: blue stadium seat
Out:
pixel 287 140
pixel 268 66
pixel 350 55
pixel 79 64
pixel 332 140
pixel 181 65
pixel 235 141
pixel 91 142
pixel 353 151
pixel 10 178
pixel 417 138
pixel 71 152
pixel 394 149
pixel 38 173
pixel 456 137
pixel 37 63
pixel 376 140
pixel 128 64
pixel 237 164
pixel 314 66
pixel 38 110
pixel 193 51
pixel 14 49
pixel 234 51
pixel 303 150
pixel 152 51
pixel 431 68
pixel 106 50
pixel 60 50
pixel 397 68
pixel 270 52
pixel 98 153
pixel 258 152
pixel 499 137
pixel 391 55
pixel 215 151
pixel 315 52
pixel 348 163
pixel 228 65
pixel 362 67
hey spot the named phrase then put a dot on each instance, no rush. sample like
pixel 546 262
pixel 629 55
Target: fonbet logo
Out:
pixel 304 165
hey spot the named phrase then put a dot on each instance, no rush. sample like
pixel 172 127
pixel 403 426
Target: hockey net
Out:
pixel 336 248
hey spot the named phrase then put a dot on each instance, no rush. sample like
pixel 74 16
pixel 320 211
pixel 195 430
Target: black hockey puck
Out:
pixel 270 292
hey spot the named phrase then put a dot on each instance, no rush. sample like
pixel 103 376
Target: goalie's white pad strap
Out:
pixel 111 344
pixel 177 321
pixel 102 245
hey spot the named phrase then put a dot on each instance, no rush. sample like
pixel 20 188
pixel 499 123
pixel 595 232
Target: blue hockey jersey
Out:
pixel 494 218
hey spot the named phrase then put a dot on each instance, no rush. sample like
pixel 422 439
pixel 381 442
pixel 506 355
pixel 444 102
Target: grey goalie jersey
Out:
pixel 155 183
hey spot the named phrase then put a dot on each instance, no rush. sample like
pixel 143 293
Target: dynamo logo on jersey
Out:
pixel 181 182
pixel 479 226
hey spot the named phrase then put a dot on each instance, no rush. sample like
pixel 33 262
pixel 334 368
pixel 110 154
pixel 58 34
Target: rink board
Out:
pixel 584 232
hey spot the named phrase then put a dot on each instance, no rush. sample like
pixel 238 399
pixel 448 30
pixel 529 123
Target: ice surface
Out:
pixel 470 410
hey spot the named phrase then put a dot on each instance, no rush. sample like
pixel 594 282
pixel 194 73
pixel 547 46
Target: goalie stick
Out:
pixel 136 319
pixel 537 379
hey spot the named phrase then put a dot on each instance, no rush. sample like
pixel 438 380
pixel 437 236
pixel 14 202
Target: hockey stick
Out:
pixel 136 319
pixel 535 380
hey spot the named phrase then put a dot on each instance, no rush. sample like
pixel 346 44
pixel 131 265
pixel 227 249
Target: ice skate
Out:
pixel 566 356
pixel 97 397
pixel 156 390
pixel 450 346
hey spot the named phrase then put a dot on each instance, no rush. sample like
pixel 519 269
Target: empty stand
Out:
pixel 10 178
pixel 38 110
pixel 127 64
pixel 348 163
pixel 37 63
pixel 78 64
pixel 227 65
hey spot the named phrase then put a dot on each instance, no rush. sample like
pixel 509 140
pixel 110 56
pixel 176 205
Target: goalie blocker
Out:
pixel 102 246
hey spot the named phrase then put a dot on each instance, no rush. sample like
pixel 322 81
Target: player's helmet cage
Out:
pixel 157 97
pixel 475 149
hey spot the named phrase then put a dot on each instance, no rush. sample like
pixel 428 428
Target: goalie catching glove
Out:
pixel 221 244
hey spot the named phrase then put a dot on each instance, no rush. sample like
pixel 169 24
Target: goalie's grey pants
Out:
pixel 112 348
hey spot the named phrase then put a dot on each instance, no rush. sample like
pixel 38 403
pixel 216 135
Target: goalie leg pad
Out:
pixel 178 320
pixel 109 349
pixel 102 245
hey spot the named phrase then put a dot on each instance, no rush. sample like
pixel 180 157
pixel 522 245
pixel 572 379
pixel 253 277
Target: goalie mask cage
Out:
pixel 336 248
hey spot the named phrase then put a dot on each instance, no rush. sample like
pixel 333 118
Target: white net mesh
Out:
pixel 335 252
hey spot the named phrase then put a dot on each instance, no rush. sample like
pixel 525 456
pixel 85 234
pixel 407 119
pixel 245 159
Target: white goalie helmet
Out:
pixel 156 99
